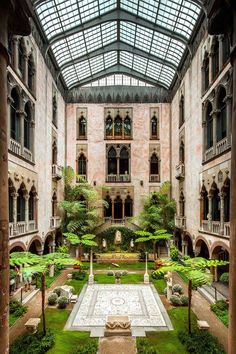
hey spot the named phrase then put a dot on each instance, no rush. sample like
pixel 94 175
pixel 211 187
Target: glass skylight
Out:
pixel 116 80
pixel 85 38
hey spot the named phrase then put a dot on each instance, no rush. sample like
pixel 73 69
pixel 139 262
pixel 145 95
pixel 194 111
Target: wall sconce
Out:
pixel 94 183
pixel 141 183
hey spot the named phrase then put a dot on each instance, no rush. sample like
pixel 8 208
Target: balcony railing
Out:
pixel 227 229
pixel 22 227
pixel 56 172
pixel 180 171
pixel 15 147
pixel 209 154
pixel 154 178
pixel 215 228
pixel 205 225
pixel 221 146
pixel 55 222
pixel 28 154
pixel 32 225
pixel 180 222
pixel 118 178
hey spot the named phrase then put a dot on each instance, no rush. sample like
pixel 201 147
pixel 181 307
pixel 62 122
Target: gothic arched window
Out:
pixel 21 54
pixel 82 165
pixel 21 204
pixel 54 153
pixel 118 126
pixel 82 128
pixel 127 127
pixel 215 59
pixel 109 127
pixel 15 120
pixel 124 161
pixel 222 118
pixel 181 111
pixel 226 48
pixel 112 161
pixel 31 72
pixel 27 123
pixel 154 165
pixel 154 128
pixel 209 126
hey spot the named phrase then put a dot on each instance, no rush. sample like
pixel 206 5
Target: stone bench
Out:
pixel 117 326
pixel 203 325
pixel 32 325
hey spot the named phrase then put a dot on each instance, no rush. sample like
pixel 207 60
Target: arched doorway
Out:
pixel 128 206
pixel 189 245
pixel 118 208
pixel 178 240
pixel 48 244
pixel 202 249
pixel 220 253
pixel 108 210
pixel 35 247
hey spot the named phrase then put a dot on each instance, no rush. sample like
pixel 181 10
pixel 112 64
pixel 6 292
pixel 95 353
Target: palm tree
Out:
pixel 40 264
pixel 195 269
pixel 78 241
pixel 155 237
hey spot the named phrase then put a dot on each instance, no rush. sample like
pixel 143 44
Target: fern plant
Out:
pixel 158 235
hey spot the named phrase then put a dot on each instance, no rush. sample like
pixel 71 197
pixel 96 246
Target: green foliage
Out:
pixel 224 278
pixel 175 300
pixel 80 275
pixel 52 299
pixel 16 308
pixel 184 300
pixel 33 343
pixel 89 348
pixel 200 342
pixel 177 288
pixel 57 291
pixel 63 249
pixel 174 253
pixel 62 302
pixel 144 347
pixel 221 309
pixel 158 211
pixel 109 236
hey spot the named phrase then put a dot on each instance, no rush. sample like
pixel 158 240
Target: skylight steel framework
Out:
pixel 144 39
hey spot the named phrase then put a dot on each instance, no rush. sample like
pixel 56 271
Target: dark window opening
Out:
pixel 215 60
pixel 209 123
pixel 124 161
pixel 118 208
pixel 20 205
pixel 127 127
pixel 15 119
pixel 181 111
pixel 222 117
pixel 27 122
pixel 154 128
pixel 118 126
pixel 128 207
pixel 31 206
pixel 82 165
pixel 112 162
pixel 82 128
pixel 109 127
pixel 154 168
pixel 108 211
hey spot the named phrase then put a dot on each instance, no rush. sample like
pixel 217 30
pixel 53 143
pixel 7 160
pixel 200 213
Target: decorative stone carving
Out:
pixel 117 326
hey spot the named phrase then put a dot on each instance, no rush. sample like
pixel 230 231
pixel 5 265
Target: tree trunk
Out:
pixel 189 305
pixel 43 278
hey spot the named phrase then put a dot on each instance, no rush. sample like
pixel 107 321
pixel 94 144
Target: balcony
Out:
pixel 15 147
pixel 209 154
pixel 118 178
pixel 55 222
pixel 221 146
pixel 180 171
pixel 22 227
pixel 180 222
pixel 28 154
pixel 214 228
pixel 56 172
pixel 154 178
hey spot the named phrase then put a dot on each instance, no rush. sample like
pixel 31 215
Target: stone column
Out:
pixel 210 67
pixel 26 212
pixel 32 131
pixel 36 211
pixel 15 213
pixel 220 51
pixel 118 169
pixel 228 100
pixel 215 114
pixel 112 207
pixel 15 53
pixel 25 78
pixel 210 213
pixel 22 118
pixel 123 209
pixel 91 276
pixel 204 139
pixel 222 212
pixel 4 218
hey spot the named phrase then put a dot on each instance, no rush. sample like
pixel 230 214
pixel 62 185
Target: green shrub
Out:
pixel 174 253
pixel 184 300
pixel 89 348
pixel 220 305
pixel 52 299
pixel 57 291
pixel 185 258
pixel 221 309
pixel 110 273
pixel 224 278
pixel 177 288
pixel 124 273
pixel 63 249
pixel 33 343
pixel 175 300
pixel 200 342
pixel 157 276
pixel 16 308
pixel 79 275
pixel 144 347
pixel 62 302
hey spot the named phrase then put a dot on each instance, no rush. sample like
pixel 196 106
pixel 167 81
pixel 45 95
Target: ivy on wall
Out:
pixel 109 236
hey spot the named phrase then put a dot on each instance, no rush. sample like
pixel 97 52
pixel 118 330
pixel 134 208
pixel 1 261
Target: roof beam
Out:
pixel 115 15
pixel 118 69
pixel 118 46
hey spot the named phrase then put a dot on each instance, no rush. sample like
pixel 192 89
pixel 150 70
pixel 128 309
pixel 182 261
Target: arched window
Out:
pixel 181 204
pixel 215 59
pixel 31 70
pixel 27 122
pixel 112 161
pixel 54 153
pixel 82 128
pixel 118 208
pixel 215 203
pixel 82 162
pixel 124 161
pixel 181 153
pixel 128 206
pixel 226 191
pixel 54 204
pixel 108 211
pixel 109 127
pixel 209 126
pixel 118 126
pixel 181 111
pixel 11 191
pixel 222 118
pixel 31 204
pixel 206 72
pixel 54 110
pixel 226 48
pixel 21 53
pixel 154 165
pixel 15 120
pixel 21 204
pixel 154 128
pixel 204 204
pixel 127 127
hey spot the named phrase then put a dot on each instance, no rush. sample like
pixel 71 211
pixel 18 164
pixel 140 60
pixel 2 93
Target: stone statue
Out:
pixel 117 237
pixel 104 243
pixel 132 243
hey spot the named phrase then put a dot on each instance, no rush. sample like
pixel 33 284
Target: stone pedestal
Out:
pixel 169 290
pixel 66 291
pixel 146 278
pixel 32 325
pixel 91 279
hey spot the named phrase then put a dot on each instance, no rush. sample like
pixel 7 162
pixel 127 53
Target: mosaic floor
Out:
pixel 140 302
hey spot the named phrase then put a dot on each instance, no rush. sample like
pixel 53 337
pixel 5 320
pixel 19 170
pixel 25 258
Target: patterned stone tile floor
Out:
pixel 118 345
pixel 34 307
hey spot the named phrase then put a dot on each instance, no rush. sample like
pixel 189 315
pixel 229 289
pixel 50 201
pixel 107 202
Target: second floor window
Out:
pixel 15 119
pixel 215 60
pixel 181 111
pixel 222 118
pixel 81 128
pixel 119 127
pixel 154 128
pixel 82 170
pixel 27 123
pixel 154 165
pixel 209 125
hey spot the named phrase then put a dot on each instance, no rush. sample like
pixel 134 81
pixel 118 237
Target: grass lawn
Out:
pixel 159 284
pixel 77 284
pixel 122 266
pixel 126 279
pixel 167 342
pixel 66 342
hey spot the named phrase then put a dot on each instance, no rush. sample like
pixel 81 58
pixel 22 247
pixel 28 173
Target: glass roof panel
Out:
pixel 118 79
pixel 75 29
